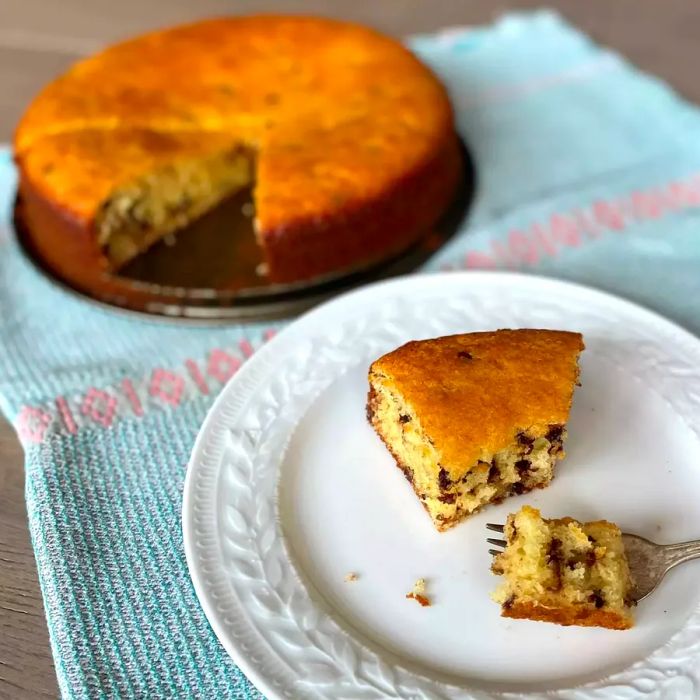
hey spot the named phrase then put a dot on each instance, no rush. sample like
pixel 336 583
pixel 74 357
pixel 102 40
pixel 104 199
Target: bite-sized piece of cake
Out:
pixel 473 418
pixel 564 571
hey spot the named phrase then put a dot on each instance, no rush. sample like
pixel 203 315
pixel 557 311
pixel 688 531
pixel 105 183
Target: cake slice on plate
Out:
pixel 473 418
pixel 348 139
pixel 564 571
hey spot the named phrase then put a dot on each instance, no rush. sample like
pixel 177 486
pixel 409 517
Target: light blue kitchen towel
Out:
pixel 587 170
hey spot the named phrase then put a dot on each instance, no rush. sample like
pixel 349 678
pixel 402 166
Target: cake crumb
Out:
pixel 350 577
pixel 418 593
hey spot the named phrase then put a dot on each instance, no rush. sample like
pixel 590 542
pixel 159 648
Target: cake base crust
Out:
pixel 568 615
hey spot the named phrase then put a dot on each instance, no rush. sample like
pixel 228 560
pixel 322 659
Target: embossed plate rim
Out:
pixel 236 606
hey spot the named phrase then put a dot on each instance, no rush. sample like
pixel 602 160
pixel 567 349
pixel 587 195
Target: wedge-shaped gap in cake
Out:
pixel 168 198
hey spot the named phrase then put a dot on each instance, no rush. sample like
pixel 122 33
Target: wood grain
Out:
pixel 39 39
pixel 26 669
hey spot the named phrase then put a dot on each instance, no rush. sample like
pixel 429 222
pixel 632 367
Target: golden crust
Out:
pixel 585 616
pixel 473 392
pixel 344 121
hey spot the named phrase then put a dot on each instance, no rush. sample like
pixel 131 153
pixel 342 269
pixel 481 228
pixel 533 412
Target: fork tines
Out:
pixel 499 543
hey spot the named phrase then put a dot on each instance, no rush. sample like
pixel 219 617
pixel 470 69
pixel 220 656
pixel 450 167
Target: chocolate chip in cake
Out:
pixel 508 604
pixel 555 557
pixel 522 466
pixel 555 447
pixel 524 438
pixel 370 410
pixel 526 441
pixel 597 599
pixel 591 539
pixel 555 432
pixel 494 473
pixel 408 473
pixel 447 498
pixel 588 558
pixel 517 488
pixel 444 480
pixel 403 418
pixel 554 553
pixel 465 355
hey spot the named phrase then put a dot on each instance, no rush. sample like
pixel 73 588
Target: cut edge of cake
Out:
pixel 138 213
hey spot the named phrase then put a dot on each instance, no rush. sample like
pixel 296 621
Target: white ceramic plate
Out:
pixel 288 490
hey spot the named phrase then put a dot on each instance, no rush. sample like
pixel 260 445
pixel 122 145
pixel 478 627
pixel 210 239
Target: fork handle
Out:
pixel 682 552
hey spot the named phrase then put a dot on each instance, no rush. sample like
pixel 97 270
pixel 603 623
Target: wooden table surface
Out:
pixel 39 39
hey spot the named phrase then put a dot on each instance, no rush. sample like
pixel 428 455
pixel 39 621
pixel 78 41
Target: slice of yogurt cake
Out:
pixel 476 417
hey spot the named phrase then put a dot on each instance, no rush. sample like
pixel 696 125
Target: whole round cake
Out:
pixel 346 137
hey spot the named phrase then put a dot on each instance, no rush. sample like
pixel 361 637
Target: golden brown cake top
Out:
pixel 336 112
pixel 472 393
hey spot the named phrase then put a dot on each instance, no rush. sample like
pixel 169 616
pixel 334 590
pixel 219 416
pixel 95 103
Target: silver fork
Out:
pixel 649 562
